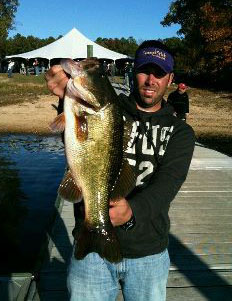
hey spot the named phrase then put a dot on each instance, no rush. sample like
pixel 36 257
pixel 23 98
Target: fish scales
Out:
pixel 87 165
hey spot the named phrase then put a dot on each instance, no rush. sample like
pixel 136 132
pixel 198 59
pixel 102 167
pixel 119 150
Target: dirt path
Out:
pixel 32 117
pixel 35 117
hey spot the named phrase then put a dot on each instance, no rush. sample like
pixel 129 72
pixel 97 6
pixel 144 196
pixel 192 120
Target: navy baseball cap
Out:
pixel 154 55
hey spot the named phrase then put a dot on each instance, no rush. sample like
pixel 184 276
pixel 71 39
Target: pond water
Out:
pixel 31 169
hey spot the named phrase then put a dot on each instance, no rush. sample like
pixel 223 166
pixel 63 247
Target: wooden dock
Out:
pixel 200 238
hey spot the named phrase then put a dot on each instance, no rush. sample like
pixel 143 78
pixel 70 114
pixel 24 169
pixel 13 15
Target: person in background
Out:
pixel 160 152
pixel 36 67
pixel 27 66
pixel 179 100
pixel 126 77
pixel 10 68
pixel 105 67
pixel 112 69
pixel 131 77
pixel 42 67
pixel 23 69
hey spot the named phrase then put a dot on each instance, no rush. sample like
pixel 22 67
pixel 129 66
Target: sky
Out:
pixel 94 18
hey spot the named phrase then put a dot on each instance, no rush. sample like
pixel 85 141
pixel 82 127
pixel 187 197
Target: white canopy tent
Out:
pixel 73 45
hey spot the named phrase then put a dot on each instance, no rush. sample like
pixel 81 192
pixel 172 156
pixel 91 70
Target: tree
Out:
pixel 206 27
pixel 8 9
pixel 216 31
pixel 125 46
pixel 21 44
pixel 186 14
pixel 178 48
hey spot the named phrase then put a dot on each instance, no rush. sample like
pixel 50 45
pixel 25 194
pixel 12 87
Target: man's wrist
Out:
pixel 129 224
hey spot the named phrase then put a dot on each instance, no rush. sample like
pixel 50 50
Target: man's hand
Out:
pixel 120 212
pixel 56 80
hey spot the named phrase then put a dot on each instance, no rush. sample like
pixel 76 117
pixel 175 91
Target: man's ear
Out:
pixel 171 76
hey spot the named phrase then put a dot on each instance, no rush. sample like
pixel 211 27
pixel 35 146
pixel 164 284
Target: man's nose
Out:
pixel 150 79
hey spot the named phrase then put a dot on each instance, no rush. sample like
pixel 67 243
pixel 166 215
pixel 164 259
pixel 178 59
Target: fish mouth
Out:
pixel 77 86
pixel 79 69
pixel 78 93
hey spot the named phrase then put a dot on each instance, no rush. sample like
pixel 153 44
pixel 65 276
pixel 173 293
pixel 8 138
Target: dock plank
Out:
pixel 178 279
pixel 204 294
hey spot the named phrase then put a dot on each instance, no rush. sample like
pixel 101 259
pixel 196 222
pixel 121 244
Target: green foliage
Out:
pixel 124 46
pixel 178 48
pixel 21 44
pixel 8 9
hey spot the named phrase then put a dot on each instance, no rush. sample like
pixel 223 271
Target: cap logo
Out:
pixel 160 54
pixel 154 55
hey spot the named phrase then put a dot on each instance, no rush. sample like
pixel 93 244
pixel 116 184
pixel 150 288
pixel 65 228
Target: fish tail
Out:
pixel 103 242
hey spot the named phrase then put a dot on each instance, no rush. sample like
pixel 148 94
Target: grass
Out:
pixel 21 88
pixel 210 111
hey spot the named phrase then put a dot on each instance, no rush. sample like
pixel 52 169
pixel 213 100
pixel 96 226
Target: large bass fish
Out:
pixel 95 137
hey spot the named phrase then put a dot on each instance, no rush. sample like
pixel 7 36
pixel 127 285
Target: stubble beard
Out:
pixel 146 102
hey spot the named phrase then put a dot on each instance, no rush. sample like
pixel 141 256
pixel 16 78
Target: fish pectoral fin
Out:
pixel 125 182
pixel 81 128
pixel 58 124
pixel 69 190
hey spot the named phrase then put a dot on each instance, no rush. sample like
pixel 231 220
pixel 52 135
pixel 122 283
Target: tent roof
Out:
pixel 72 45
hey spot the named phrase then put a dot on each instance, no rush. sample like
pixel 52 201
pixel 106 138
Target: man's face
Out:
pixel 181 90
pixel 152 82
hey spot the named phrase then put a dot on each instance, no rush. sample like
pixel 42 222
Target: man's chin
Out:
pixel 147 103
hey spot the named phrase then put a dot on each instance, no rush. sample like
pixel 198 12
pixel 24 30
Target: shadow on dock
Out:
pixel 196 273
pixel 187 270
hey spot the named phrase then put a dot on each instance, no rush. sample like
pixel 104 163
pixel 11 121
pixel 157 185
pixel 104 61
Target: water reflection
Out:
pixel 12 212
pixel 31 168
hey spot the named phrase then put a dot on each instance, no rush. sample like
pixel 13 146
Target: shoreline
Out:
pixel 34 117
pixel 29 117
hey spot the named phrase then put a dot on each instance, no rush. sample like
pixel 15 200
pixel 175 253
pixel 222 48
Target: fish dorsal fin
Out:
pixel 125 182
pixel 58 124
pixel 69 190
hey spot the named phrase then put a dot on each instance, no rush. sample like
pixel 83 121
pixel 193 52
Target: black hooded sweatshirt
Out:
pixel 160 151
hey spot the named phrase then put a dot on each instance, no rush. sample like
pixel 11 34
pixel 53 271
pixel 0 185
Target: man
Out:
pixel 180 101
pixel 126 77
pixel 10 68
pixel 130 76
pixel 160 151
pixel 36 67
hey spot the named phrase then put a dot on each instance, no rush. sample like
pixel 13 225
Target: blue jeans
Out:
pixel 141 279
